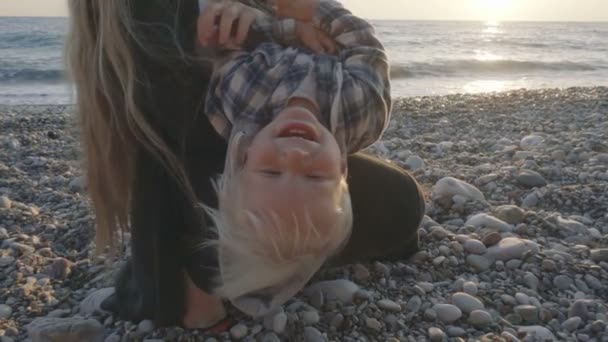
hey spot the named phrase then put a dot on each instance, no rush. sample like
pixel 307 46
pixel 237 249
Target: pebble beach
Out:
pixel 514 246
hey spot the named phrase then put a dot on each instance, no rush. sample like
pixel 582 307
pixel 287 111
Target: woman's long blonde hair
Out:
pixel 100 54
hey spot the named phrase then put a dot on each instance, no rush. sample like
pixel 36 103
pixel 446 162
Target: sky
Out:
pixel 497 10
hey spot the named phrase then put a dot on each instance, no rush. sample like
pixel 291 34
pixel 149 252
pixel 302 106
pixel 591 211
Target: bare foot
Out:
pixel 202 310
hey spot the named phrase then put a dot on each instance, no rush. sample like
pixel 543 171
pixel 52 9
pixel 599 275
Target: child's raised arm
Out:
pixel 361 66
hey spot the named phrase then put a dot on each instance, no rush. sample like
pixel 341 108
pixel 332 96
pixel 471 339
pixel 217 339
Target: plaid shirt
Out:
pixel 249 88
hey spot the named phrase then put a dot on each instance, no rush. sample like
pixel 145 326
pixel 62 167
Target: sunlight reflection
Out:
pixel 492 28
pixel 486 56
pixel 483 86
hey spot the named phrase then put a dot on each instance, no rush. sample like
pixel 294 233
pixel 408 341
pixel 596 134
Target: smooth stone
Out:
pixel 484 220
pixel 279 322
pixel 373 324
pixel 530 179
pixel 478 262
pixel 568 226
pixel 531 280
pixel 238 331
pixel 531 142
pixel 522 298
pixel 448 187
pixel 389 305
pixel 480 318
pixel 414 163
pixel 466 303
pixel 361 273
pixel 455 331
pixel 530 201
pixel 272 337
pixel 447 313
pixel 562 282
pixel 312 334
pixel 341 290
pixel 470 288
pixel 426 286
pixel 5 311
pixel 511 248
pixel 578 309
pixel 145 327
pixel 310 317
pixel 44 329
pixel 571 324
pixel 528 313
pixel 474 246
pixel 5 202
pixel 337 321
pixel 537 333
pixel 436 334
pixel 92 303
pixel 414 304
pixel 511 214
pixel 599 255
pixel 491 239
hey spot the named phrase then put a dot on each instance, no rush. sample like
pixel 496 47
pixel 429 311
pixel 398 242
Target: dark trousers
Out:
pixel 387 202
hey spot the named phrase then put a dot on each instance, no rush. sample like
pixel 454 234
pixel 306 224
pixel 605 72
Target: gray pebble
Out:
pixel 145 327
pixel 311 334
pixel 414 304
pixel 599 255
pixel 531 280
pixel 510 213
pixel 593 282
pixel 528 313
pixel 522 298
pixel 436 334
pixel 272 337
pixel 562 282
pixel 309 317
pixel 373 324
pixel 389 305
pixel 474 246
pixel 279 323
pixel 480 318
pixel 5 311
pixel 491 238
pixel 65 329
pixel 455 331
pixel 578 309
pixel 478 262
pixel 341 290
pixel 470 288
pixel 238 331
pixel 571 324
pixel 466 303
pixel 447 313
pixel 530 178
pixel 113 338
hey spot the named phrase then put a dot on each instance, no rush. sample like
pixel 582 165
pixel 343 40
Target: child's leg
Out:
pixel 387 209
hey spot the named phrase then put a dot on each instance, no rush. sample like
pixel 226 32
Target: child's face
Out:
pixel 294 164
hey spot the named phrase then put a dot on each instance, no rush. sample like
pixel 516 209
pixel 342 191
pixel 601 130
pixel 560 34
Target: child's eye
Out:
pixel 315 177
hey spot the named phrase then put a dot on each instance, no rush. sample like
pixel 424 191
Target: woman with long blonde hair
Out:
pixel 151 155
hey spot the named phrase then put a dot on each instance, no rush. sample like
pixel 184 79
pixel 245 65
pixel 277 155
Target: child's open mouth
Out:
pixel 298 129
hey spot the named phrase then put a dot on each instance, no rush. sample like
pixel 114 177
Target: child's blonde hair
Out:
pixel 262 251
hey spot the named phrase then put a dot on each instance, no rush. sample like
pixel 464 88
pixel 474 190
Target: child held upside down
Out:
pixel 291 109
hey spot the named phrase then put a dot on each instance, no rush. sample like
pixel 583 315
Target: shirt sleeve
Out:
pixel 364 101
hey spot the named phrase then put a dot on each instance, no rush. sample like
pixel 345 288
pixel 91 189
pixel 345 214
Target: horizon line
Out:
pixel 385 19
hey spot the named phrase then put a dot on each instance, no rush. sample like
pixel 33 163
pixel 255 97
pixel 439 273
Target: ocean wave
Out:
pixel 32 75
pixel 460 67
pixel 22 40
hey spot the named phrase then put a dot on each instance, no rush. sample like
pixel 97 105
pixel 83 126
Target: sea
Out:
pixel 427 57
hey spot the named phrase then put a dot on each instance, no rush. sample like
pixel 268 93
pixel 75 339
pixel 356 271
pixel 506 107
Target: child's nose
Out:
pixel 295 157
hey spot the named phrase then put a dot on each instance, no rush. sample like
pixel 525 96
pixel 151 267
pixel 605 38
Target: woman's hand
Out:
pixel 314 39
pixel 303 10
pixel 216 24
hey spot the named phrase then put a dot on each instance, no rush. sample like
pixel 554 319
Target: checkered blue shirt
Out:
pixel 352 87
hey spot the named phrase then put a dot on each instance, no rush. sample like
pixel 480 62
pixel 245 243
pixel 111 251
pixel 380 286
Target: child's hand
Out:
pixel 314 39
pixel 227 15
pixel 303 10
